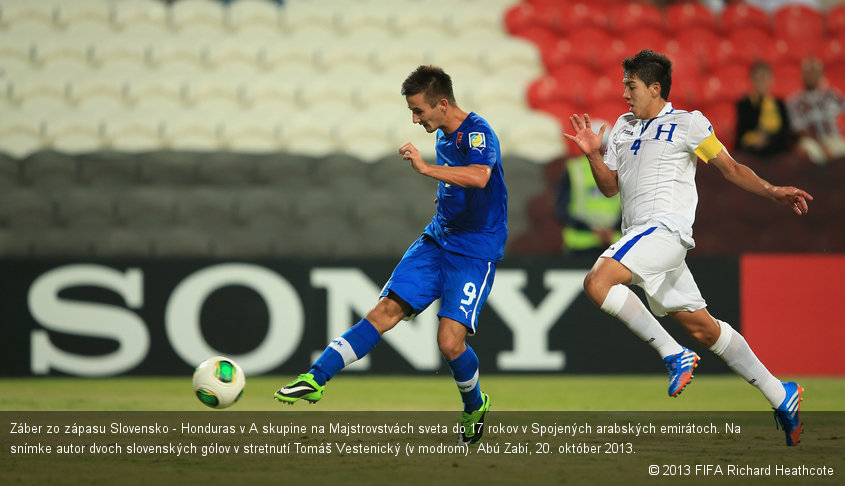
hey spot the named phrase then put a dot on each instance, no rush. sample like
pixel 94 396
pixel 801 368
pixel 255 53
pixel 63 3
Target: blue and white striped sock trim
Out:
pixel 466 386
pixel 344 349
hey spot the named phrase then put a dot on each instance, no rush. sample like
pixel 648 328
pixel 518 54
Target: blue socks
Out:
pixel 465 371
pixel 353 345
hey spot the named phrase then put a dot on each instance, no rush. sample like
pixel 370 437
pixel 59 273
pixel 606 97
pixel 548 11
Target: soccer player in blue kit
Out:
pixel 455 258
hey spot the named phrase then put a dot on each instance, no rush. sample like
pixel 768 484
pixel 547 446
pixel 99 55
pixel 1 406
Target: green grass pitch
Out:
pixel 516 399
pixel 356 392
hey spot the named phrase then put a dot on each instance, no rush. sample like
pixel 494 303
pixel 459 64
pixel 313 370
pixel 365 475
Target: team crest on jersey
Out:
pixel 477 141
pixel 459 139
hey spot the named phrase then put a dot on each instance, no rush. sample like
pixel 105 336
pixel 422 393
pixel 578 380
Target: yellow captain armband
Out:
pixel 709 147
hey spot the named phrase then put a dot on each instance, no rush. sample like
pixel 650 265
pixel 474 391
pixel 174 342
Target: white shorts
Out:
pixel 655 256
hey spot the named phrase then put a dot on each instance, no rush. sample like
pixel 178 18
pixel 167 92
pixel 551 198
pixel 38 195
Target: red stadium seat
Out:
pixel 698 42
pixel 543 37
pixel 831 50
pixel 653 38
pixel 723 117
pixel 574 83
pixel 740 15
pixel 684 15
pixel 797 22
pixel 787 79
pixel 745 46
pixel 586 45
pixel 629 18
pixel 524 16
pixel 835 76
pixel 726 85
pixel 608 110
pixel 542 92
pixel 836 20
pixel 561 110
pixel 578 14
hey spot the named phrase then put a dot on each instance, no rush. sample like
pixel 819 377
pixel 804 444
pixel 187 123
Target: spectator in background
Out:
pixel 762 121
pixel 814 112
pixel 591 221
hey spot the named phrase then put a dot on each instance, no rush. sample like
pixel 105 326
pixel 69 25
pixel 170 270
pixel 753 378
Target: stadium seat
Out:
pixel 798 22
pixel 49 170
pixel 179 241
pixel 831 50
pixel 746 45
pixel 787 79
pixel 195 130
pixel 521 17
pixel 27 208
pixel 835 75
pixel 512 53
pixel 307 133
pixel 129 15
pixel 475 20
pixel 647 37
pixel 207 207
pixel 740 15
pixel 19 12
pixel 76 135
pixel 578 14
pixel 261 15
pixel 535 137
pixel 184 14
pixel 371 17
pixel 679 16
pixel 631 17
pixel 135 130
pixel 61 243
pixel 585 45
pixel 364 137
pixel 84 208
pixel 260 207
pixel 698 43
pixel 835 20
pixel 722 115
pixel 146 207
pixel 728 84
pixel 20 140
pixel 543 37
pixel 574 83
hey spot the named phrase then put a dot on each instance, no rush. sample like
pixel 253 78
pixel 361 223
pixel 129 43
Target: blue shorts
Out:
pixel 427 273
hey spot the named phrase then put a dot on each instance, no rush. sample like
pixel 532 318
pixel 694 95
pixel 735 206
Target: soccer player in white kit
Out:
pixel 650 161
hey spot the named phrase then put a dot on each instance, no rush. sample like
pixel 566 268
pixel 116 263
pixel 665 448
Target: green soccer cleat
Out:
pixel 303 387
pixel 473 423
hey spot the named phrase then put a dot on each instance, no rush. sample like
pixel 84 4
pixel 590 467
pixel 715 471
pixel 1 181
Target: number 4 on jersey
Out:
pixel 635 146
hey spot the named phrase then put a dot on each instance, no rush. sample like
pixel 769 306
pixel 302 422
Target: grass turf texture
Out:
pixel 395 393
pixel 758 445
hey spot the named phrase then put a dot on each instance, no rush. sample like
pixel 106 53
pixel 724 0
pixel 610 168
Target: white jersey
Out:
pixel 655 164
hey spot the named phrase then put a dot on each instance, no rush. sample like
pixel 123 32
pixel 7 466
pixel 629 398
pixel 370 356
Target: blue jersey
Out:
pixel 469 221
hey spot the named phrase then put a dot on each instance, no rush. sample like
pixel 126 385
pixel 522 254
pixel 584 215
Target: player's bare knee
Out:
pixel 450 348
pixel 594 289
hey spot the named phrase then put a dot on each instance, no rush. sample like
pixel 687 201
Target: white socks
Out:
pixel 625 306
pixel 736 352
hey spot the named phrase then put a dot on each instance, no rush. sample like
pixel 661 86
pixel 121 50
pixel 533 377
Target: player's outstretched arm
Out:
pixel 471 176
pixel 744 177
pixel 590 143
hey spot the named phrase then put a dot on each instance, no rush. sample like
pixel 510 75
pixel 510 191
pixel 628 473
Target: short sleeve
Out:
pixel 481 148
pixel 701 138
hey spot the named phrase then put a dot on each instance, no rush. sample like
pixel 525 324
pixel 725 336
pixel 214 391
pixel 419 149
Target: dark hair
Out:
pixel 651 68
pixel 759 65
pixel 432 81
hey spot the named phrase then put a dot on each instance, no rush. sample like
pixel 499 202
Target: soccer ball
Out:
pixel 219 382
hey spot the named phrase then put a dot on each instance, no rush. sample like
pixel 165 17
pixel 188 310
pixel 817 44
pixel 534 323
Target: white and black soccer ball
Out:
pixel 219 382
